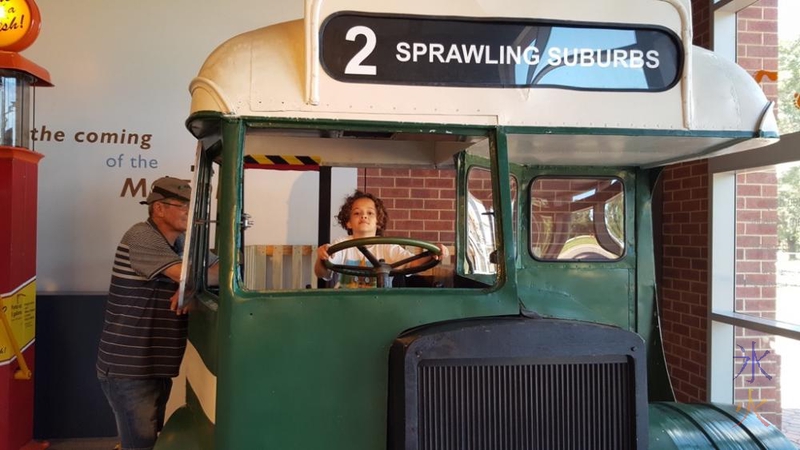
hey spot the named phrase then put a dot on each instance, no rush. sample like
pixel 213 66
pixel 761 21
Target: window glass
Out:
pixel 577 219
pixel 768 243
pixel 788 75
pixel 201 242
pixel 412 174
pixel 761 362
pixel 481 239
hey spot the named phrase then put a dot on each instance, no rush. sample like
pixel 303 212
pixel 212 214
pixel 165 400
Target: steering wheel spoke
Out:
pixel 403 262
pixel 368 254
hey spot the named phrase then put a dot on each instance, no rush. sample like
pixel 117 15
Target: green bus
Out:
pixel 545 126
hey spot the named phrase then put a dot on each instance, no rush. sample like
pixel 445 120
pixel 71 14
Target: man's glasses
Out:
pixel 181 206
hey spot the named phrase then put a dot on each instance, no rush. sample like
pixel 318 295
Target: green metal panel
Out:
pixel 319 359
pixel 188 427
pixel 571 291
pixel 308 369
pixel 228 237
pixel 203 330
pixel 648 324
pixel 602 292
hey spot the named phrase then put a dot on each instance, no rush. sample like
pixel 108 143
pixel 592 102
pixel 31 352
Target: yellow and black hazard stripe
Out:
pixel 282 162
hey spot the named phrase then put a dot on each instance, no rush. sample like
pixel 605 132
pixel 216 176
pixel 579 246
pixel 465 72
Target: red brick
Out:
pixel 750 38
pixel 410 182
pixel 409 203
pixel 374 182
pixel 762 25
pixel 388 202
pixel 687 227
pixel 430 236
pixel 424 193
pixel 769 64
pixel 395 193
pixel 750 64
pixel 447 193
pixel 699 217
pixel 447 183
pixel 439 204
pixel 750 13
pixel 427 173
pixel 762 177
pixel 438 225
pixel 741 49
pixel 409 225
pixel 700 193
pixel 761 203
pixel 693 182
pixel 423 214
pixel 447 238
pixel 699 168
pixel 398 214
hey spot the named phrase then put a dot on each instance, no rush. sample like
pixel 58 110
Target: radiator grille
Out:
pixel 550 406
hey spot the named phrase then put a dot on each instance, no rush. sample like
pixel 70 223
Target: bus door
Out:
pixel 577 254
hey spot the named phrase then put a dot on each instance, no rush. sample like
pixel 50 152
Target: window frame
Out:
pixel 722 262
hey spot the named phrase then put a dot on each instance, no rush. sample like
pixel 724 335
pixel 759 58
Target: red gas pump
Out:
pixel 19 27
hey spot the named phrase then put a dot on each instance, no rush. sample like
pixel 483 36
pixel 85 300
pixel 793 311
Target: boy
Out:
pixel 363 215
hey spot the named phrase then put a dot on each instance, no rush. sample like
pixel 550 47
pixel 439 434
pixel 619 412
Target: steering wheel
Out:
pixel 380 269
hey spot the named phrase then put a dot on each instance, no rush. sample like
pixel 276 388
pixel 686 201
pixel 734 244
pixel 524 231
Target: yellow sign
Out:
pixel 19 24
pixel 19 308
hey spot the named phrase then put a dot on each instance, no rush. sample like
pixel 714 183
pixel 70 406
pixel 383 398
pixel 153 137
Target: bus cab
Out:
pixel 527 137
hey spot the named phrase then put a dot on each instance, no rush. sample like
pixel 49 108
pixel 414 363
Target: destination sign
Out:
pixel 504 53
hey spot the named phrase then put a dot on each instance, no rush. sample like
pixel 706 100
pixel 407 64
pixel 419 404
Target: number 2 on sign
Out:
pixel 354 66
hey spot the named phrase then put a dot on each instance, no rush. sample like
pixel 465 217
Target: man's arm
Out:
pixel 174 272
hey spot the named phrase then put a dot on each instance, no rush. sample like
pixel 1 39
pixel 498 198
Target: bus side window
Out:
pixel 577 219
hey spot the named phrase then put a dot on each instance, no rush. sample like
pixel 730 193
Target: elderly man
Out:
pixel 144 334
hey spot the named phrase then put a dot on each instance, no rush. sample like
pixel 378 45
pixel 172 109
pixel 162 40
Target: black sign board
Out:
pixel 435 51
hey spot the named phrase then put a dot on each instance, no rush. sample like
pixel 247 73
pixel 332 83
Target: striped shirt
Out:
pixel 142 337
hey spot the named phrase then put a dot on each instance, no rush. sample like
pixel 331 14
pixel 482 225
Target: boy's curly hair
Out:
pixel 344 212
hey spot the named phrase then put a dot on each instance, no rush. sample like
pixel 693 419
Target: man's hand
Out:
pixel 173 305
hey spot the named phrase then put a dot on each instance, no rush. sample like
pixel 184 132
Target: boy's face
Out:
pixel 363 218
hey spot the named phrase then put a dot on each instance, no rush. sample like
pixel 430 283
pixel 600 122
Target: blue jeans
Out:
pixel 138 406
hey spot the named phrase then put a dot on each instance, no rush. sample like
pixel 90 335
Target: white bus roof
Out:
pixel 291 70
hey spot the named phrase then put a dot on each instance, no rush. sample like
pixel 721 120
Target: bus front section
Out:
pixel 514 149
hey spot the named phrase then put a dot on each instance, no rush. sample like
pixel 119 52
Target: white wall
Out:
pixel 126 66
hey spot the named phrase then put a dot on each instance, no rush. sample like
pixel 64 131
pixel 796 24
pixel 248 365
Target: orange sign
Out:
pixel 19 24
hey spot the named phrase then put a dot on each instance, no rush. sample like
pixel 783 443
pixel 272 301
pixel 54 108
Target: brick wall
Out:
pixel 420 202
pixel 684 281
pixel 757 42
pixel 701 22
